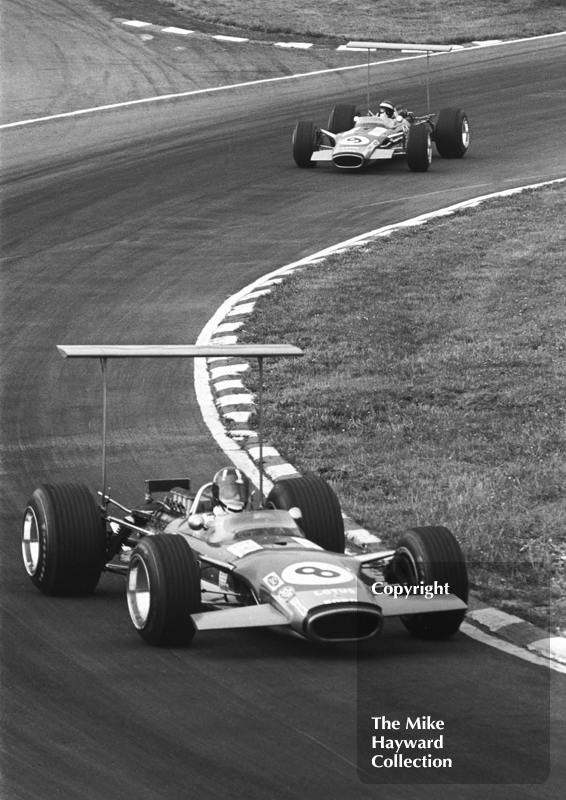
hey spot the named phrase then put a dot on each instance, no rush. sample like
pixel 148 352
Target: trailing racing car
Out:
pixel 219 559
pixel 353 140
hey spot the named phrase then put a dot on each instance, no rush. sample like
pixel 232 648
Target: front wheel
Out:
pixel 342 118
pixel 63 539
pixel 306 139
pixel 320 516
pixel 164 590
pixel 419 148
pixel 431 554
pixel 452 133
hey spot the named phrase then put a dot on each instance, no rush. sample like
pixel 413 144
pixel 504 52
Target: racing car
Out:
pixel 353 140
pixel 227 557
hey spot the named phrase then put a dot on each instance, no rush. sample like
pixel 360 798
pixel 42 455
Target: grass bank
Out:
pixel 433 389
pixel 432 21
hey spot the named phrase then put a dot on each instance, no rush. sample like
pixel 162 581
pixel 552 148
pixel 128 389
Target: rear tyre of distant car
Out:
pixel 452 133
pixel 419 148
pixel 306 139
pixel 342 118
pixel 430 554
pixel 320 514
pixel 164 590
pixel 63 539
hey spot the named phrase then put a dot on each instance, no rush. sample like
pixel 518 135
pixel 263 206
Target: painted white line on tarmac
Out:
pixel 194 92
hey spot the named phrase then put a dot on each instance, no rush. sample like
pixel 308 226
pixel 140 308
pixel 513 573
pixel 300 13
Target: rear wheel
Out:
pixel 164 590
pixel 419 148
pixel 431 554
pixel 320 515
pixel 452 133
pixel 306 139
pixel 63 539
pixel 342 118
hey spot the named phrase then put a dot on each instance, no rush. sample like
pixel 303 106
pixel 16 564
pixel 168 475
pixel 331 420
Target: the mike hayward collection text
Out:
pixel 393 751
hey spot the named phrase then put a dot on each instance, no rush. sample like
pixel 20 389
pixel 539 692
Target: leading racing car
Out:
pixel 218 559
pixel 353 140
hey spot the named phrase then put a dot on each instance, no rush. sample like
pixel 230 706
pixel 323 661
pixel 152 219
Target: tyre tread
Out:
pixel 75 545
pixel 176 590
pixel 322 520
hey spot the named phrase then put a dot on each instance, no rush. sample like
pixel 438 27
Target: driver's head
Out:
pixel 231 489
pixel 386 109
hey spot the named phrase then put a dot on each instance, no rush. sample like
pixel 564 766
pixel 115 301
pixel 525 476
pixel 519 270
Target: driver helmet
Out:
pixel 386 109
pixel 231 489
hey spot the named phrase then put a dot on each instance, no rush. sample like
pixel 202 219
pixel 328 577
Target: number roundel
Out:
pixel 355 140
pixel 314 573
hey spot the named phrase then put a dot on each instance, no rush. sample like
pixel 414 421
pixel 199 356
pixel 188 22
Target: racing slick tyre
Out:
pixel 163 590
pixel 306 139
pixel 63 539
pixel 452 133
pixel 342 118
pixel 419 148
pixel 320 515
pixel 431 554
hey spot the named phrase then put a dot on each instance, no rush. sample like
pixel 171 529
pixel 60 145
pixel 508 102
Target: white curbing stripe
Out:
pixel 280 470
pixel 508 647
pixel 236 400
pixel 297 45
pixel 220 386
pixel 552 647
pixel 243 308
pixel 267 451
pixel 225 340
pixel 493 618
pixel 228 327
pixel 230 38
pixel 220 372
pixel 172 29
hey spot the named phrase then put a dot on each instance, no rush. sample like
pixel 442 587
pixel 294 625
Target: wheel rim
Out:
pixel 465 133
pixel 138 592
pixel 429 148
pixel 410 569
pixel 408 565
pixel 30 542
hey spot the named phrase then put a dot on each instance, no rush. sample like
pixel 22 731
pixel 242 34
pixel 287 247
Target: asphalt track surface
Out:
pixel 132 227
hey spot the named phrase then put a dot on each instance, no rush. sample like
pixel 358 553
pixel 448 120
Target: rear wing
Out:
pixel 178 351
pixel 104 352
pixel 418 48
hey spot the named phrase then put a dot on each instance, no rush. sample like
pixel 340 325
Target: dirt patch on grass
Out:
pixel 433 389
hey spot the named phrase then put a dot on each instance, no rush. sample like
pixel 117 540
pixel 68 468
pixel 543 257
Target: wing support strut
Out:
pixel 419 48
pixel 104 352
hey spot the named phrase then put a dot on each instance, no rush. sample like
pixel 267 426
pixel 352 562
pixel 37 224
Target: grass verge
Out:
pixel 433 21
pixel 433 388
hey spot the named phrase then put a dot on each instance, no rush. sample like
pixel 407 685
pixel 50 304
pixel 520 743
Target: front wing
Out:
pixel 265 615
pixel 377 155
pixel 260 616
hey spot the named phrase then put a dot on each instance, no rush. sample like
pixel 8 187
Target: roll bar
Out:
pixel 104 352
